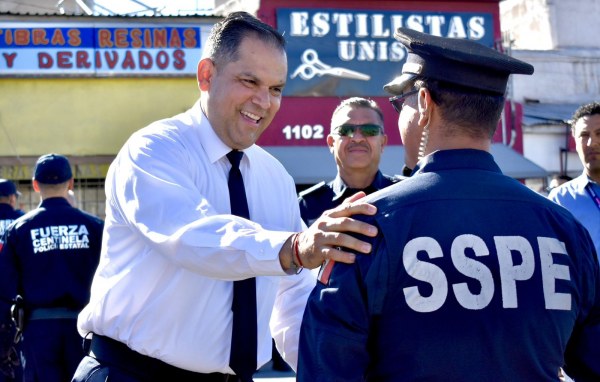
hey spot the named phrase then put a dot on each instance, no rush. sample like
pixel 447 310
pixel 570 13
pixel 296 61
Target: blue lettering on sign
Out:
pixel 353 52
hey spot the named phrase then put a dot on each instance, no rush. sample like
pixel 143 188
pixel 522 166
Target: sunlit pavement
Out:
pixel 267 374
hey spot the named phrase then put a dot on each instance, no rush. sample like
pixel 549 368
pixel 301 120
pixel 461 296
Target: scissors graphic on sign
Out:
pixel 312 66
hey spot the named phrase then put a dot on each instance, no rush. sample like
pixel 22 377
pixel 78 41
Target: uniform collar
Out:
pixel 471 159
pixel 55 202
pixel 341 189
pixel 5 207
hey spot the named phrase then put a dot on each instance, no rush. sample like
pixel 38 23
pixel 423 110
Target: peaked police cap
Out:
pixel 459 61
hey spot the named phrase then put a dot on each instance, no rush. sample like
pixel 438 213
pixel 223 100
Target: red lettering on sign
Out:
pixel 189 38
pixel 45 61
pixel 111 61
pixel 160 38
pixel 98 60
pixel 145 60
pixel 128 62
pixel 9 58
pixel 8 37
pixel 83 59
pixel 104 40
pixel 179 61
pixel 22 36
pixel 136 39
pixel 63 59
pixel 39 37
pixel 147 38
pixel 162 59
pixel 58 38
pixel 121 38
pixel 175 40
pixel 74 37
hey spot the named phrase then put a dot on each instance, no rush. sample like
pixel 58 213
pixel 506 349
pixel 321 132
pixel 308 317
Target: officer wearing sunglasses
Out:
pixel 356 141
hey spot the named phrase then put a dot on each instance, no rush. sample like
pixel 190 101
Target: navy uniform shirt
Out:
pixel 473 277
pixel 324 196
pixel 7 215
pixel 50 256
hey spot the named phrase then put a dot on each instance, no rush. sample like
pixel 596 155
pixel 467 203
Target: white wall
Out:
pixel 560 38
pixel 551 24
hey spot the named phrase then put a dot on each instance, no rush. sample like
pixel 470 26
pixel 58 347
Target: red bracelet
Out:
pixel 296 251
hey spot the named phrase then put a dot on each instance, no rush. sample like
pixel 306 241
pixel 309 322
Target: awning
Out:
pixel 547 113
pixel 312 164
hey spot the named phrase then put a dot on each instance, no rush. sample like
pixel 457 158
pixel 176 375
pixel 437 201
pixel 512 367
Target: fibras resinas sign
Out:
pixel 100 49
pixel 346 52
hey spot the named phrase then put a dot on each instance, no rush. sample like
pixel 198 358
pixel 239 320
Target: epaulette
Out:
pixel 312 189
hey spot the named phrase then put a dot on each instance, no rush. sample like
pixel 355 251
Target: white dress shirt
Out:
pixel 171 248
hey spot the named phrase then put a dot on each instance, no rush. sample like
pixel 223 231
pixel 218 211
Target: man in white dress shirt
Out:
pixel 161 298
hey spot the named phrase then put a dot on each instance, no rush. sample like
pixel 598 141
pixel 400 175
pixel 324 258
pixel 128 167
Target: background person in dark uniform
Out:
pixel 8 205
pixel 49 258
pixel 356 140
pixel 473 276
pixel 9 359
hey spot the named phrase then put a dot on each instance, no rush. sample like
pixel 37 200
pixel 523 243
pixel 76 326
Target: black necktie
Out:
pixel 243 337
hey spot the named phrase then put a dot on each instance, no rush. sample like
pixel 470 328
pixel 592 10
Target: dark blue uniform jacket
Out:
pixel 473 277
pixel 7 216
pixel 50 256
pixel 325 196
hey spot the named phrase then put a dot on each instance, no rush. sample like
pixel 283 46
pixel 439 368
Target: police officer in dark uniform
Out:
pixel 357 140
pixel 9 358
pixel 473 276
pixel 8 205
pixel 49 258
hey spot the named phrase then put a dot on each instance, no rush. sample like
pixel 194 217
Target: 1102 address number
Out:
pixel 304 132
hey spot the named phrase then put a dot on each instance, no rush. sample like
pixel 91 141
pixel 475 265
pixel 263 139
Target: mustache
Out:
pixel 361 145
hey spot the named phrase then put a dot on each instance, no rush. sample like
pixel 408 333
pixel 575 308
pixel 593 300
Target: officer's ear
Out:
pixel 425 105
pixel 36 185
pixel 330 141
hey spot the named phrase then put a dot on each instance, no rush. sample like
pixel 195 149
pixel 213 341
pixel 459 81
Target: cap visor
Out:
pixel 399 84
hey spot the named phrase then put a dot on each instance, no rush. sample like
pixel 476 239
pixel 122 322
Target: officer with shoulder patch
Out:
pixel 356 140
pixel 473 276
pixel 49 258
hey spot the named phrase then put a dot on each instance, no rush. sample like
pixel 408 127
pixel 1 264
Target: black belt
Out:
pixel 53 314
pixel 117 354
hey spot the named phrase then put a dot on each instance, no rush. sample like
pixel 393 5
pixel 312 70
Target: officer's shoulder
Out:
pixel 91 218
pixel 314 190
pixel 395 178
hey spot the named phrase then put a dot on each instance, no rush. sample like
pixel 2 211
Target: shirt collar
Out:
pixel 341 189
pixel 581 182
pixel 214 147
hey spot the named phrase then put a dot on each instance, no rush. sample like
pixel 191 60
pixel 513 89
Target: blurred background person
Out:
pixel 581 195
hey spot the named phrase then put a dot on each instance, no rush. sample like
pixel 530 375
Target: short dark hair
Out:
pixel 475 111
pixel 356 102
pixel 584 111
pixel 226 36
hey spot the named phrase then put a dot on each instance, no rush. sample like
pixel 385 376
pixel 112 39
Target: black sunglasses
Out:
pixel 367 130
pixel 398 101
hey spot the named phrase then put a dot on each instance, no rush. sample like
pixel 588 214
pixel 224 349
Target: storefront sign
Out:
pixel 333 52
pixel 132 49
